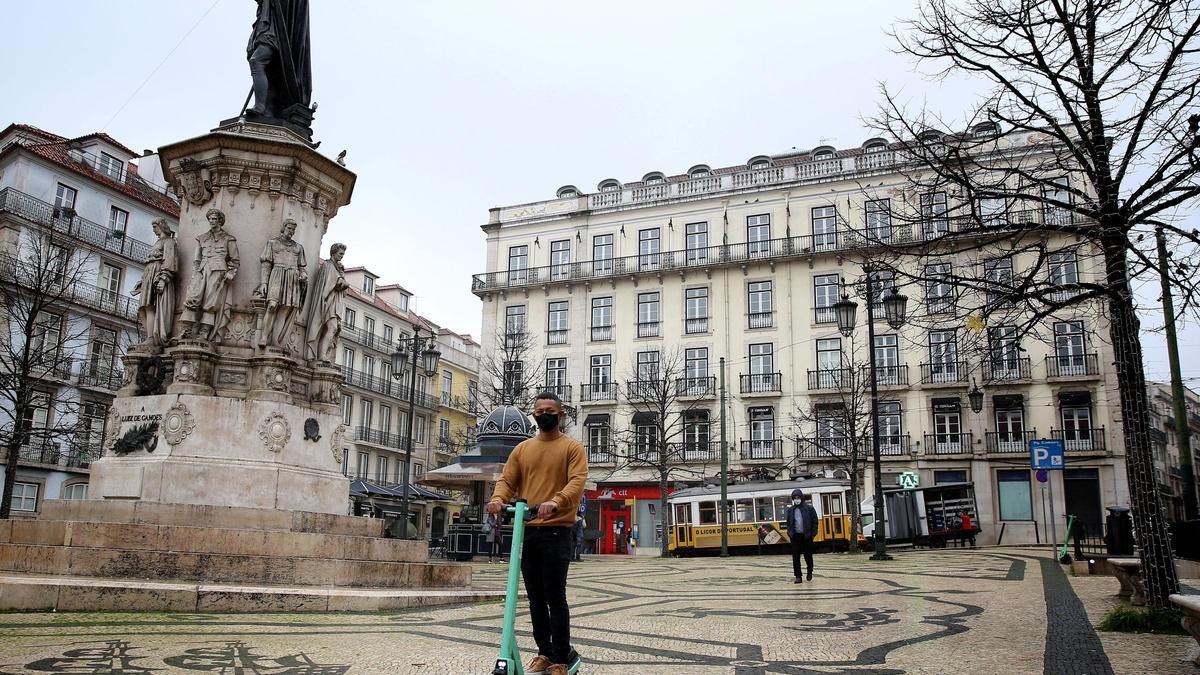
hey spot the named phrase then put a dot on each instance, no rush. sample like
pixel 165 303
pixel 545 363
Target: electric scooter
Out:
pixel 509 662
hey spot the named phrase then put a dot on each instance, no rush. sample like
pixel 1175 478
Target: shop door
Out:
pixel 614 527
pixel 438 528
pixel 1082 487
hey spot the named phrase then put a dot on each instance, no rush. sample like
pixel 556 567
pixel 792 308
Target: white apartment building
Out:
pixel 745 262
pixel 88 193
pixel 1164 437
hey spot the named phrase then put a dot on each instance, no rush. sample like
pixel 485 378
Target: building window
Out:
pixel 649 314
pixel 556 376
pixel 381 469
pixel 368 285
pixel 104 351
pixel 882 282
pixel 825 295
pixel 24 497
pixel 647 366
pixel 1005 351
pixel 418 469
pixel 998 275
pixel 992 211
pixel 602 254
pixel 889 427
pixel 600 375
pixel 75 491
pixel 110 166
pixel 118 222
pixel 598 443
pixel 1056 198
pixel 1070 348
pixel 933 214
pixel 518 264
pixel 368 365
pixel 556 322
pixel 829 363
pixel 444 433
pixel 943 356
pixel 696 308
pixel 560 259
pixel 648 249
pixel 514 324
pixel 347 408
pixel 58 259
pixel 64 198
pixel 1010 426
pixel 402 302
pixel 762 366
pixel 364 465
pixel 695 372
pixel 366 409
pixel 350 317
pixel 348 358
pixel 696 432
pixel 514 381
pixel 824 228
pixel 943 476
pixel 762 432
pixel 696 242
pixel 47 335
pixel 939 289
pixel 822 155
pixel 947 429
pixel 879 220
pixel 1064 272
pixel 887 359
pixel 646 438
pixel 110 284
pixel 389 334
pixel 760 302
pixel 1016 499
pixel 758 234
pixel 1077 426
pixel 602 318
pixel 419 429
pixel 447 382
pixel 385 419
pixel 369 326
pixel 93 416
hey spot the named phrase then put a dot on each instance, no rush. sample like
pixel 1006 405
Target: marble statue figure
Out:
pixel 215 265
pixel 324 311
pixel 282 273
pixel 156 308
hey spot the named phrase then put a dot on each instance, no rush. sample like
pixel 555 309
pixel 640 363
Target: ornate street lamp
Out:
pixel 895 305
pixel 975 397
pixel 400 360
pixel 844 311
pixel 431 356
pixel 410 350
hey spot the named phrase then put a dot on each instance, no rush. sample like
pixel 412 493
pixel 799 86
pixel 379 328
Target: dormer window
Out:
pixel 654 178
pixel 402 303
pixel 822 153
pixel 610 185
pixel 368 286
pixel 875 145
pixel 567 192
pixel 931 136
pixel 110 166
pixel 759 162
pixel 985 129
pixel 699 171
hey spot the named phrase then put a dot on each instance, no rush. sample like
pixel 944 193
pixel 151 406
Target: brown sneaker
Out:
pixel 556 669
pixel 538 666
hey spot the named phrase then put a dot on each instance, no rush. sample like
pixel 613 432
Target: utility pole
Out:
pixel 1182 428
pixel 724 471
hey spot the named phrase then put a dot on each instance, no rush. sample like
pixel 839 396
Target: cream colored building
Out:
pixel 744 262
pixel 1164 438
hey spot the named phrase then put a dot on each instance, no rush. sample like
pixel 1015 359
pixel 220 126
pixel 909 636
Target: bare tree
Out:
pixel 39 278
pixel 670 434
pixel 1088 130
pixel 834 430
pixel 514 372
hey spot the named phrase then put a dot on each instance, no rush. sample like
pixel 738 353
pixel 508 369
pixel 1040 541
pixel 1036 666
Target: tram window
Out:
pixel 764 509
pixel 708 513
pixel 782 502
pixel 832 503
pixel 682 514
pixel 745 510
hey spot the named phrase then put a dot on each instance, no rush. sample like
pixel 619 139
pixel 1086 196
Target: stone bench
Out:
pixel 1128 572
pixel 1190 606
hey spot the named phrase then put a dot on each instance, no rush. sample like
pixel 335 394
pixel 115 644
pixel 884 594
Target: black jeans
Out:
pixel 801 545
pixel 544 562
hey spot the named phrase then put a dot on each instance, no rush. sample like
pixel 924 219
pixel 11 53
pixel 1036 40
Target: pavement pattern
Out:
pixel 948 611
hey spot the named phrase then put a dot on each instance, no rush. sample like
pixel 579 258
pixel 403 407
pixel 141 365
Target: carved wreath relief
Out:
pixel 335 441
pixel 177 423
pixel 275 432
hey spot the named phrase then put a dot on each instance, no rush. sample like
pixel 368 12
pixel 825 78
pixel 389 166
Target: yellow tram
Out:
pixel 756 515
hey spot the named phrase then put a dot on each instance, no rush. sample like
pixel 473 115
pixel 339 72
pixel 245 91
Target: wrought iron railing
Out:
pixel 1006 369
pixel 600 454
pixel 563 391
pixel 68 222
pixel 1006 442
pixel 948 444
pixel 648 329
pixel 761 383
pixel 760 319
pixel 944 372
pixel 696 387
pixel 1082 440
pixel 762 449
pixel 696 326
pixel 598 392
pixel 694 451
pixel 101 377
pixel 1073 365
pixel 379 437
pixel 601 333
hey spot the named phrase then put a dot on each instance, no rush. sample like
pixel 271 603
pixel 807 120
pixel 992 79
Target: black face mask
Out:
pixel 546 421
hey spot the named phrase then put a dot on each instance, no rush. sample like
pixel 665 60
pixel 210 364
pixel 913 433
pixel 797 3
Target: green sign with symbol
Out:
pixel 909 479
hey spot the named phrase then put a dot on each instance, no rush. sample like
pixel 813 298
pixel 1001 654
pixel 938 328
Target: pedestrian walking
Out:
pixel 802 526
pixel 548 471
pixel 492 532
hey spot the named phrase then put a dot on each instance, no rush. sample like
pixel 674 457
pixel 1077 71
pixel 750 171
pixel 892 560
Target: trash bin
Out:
pixel 1119 526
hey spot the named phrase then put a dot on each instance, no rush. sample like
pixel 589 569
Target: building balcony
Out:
pixel 1073 366
pixel 65 221
pixel 563 391
pixel 601 334
pixel 388 386
pixel 367 339
pixel 946 373
pixel 696 387
pixel 824 315
pixel 556 337
pixel 647 329
pixel 829 379
pixel 1006 370
pixel 82 456
pixel 40 451
pixel 1082 441
pixel 762 450
pixel 891 376
pixel 379 437
pixel 601 454
pixel 833 448
pixel 1009 442
pixel 696 326
pixel 948 444
pixel 646 390
pixel 598 392
pixel 694 451
pixel 760 320
pixel 762 383
pixel 96 377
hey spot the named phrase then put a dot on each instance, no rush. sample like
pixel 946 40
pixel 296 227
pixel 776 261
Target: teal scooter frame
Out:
pixel 509 661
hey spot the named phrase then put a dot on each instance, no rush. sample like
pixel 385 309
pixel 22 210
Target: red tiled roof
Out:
pixel 55 150
pixel 100 135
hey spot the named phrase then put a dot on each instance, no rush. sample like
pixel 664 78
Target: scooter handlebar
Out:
pixel 530 513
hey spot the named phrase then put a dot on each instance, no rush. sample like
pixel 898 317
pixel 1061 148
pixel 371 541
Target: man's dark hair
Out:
pixel 548 395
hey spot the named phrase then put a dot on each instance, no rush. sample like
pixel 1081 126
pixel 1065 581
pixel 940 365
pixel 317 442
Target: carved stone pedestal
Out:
pixel 272 377
pixel 193 368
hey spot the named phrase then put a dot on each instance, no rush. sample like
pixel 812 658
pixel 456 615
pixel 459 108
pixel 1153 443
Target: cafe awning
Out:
pixel 462 476
pixel 362 488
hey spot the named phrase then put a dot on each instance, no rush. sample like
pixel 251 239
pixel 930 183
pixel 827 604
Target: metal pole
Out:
pixel 414 343
pixel 1053 525
pixel 724 470
pixel 880 518
pixel 1182 429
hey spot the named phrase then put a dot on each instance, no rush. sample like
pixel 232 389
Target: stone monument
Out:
pixel 222 450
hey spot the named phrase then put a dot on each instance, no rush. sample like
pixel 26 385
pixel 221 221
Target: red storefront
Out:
pixel 623 513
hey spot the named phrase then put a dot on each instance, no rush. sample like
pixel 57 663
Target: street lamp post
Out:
pixel 411 352
pixel 894 306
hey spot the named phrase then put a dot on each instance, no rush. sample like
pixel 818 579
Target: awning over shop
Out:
pixel 947 404
pixel 643 417
pixel 595 420
pixel 362 488
pixel 696 413
pixel 1008 401
pixel 1075 398
pixel 462 476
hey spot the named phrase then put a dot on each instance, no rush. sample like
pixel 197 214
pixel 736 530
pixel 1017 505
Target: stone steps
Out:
pixel 69 594
pixel 210 540
pixel 191 515
pixel 86 561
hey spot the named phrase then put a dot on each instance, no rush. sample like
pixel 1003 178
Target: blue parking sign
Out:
pixel 1046 454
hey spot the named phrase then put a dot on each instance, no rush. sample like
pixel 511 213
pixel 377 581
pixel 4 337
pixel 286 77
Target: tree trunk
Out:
pixel 854 516
pixel 664 548
pixel 1149 516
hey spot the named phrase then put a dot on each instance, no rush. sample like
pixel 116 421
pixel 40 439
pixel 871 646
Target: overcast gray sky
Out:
pixel 449 108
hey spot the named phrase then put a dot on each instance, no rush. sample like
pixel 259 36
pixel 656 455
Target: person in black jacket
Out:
pixel 802 524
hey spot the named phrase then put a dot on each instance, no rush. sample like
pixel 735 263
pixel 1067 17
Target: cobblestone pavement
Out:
pixel 981 611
